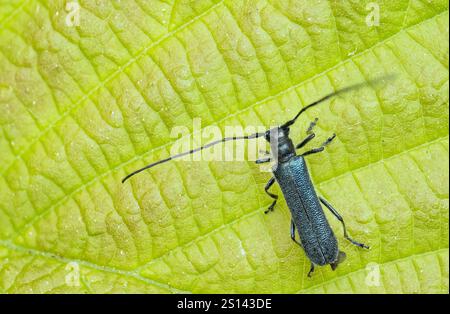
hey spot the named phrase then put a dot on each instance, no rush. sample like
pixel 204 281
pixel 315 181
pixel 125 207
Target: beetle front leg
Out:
pixel 305 141
pixel 311 126
pixel 321 148
pixel 310 133
pixel 339 217
pixel 274 196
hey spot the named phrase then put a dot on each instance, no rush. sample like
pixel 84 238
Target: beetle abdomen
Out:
pixel 315 233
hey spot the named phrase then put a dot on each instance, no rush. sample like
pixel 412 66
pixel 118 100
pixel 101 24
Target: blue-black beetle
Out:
pixel 291 173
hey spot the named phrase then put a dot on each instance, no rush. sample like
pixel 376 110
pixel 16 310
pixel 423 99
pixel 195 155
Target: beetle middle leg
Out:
pixel 339 217
pixel 293 233
pixel 274 196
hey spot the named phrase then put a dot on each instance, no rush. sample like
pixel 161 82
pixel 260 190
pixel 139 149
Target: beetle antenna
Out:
pixel 256 135
pixel 336 93
pixel 225 139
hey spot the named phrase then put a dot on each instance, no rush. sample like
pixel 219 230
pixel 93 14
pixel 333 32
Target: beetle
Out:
pixel 291 173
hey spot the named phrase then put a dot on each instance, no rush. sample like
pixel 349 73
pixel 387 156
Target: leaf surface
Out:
pixel 81 106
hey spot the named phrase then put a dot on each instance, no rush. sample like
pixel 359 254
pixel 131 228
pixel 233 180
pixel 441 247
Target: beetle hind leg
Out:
pixel 339 217
pixel 311 270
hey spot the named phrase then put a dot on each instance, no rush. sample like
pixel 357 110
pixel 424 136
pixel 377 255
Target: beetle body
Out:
pixel 291 173
pixel 315 233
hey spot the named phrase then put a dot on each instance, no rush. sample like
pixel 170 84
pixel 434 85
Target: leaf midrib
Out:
pixel 215 230
pixel 117 271
pixel 136 275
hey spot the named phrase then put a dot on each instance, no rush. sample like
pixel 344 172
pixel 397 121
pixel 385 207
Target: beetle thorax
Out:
pixel 280 143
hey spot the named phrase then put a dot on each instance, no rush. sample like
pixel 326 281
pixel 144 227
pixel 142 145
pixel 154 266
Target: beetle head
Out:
pixel 278 134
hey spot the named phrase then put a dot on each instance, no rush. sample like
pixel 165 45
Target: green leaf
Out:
pixel 81 106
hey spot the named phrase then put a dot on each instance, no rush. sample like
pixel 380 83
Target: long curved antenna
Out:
pixel 336 93
pixel 256 135
pixel 225 139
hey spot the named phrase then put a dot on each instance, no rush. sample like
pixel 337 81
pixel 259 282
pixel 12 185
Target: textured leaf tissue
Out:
pixel 91 91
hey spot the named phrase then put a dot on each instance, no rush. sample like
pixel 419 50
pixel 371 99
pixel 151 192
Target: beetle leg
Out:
pixel 329 140
pixel 321 148
pixel 313 151
pixel 339 217
pixel 305 141
pixel 311 270
pixel 311 126
pixel 274 196
pixel 263 160
pixel 293 233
